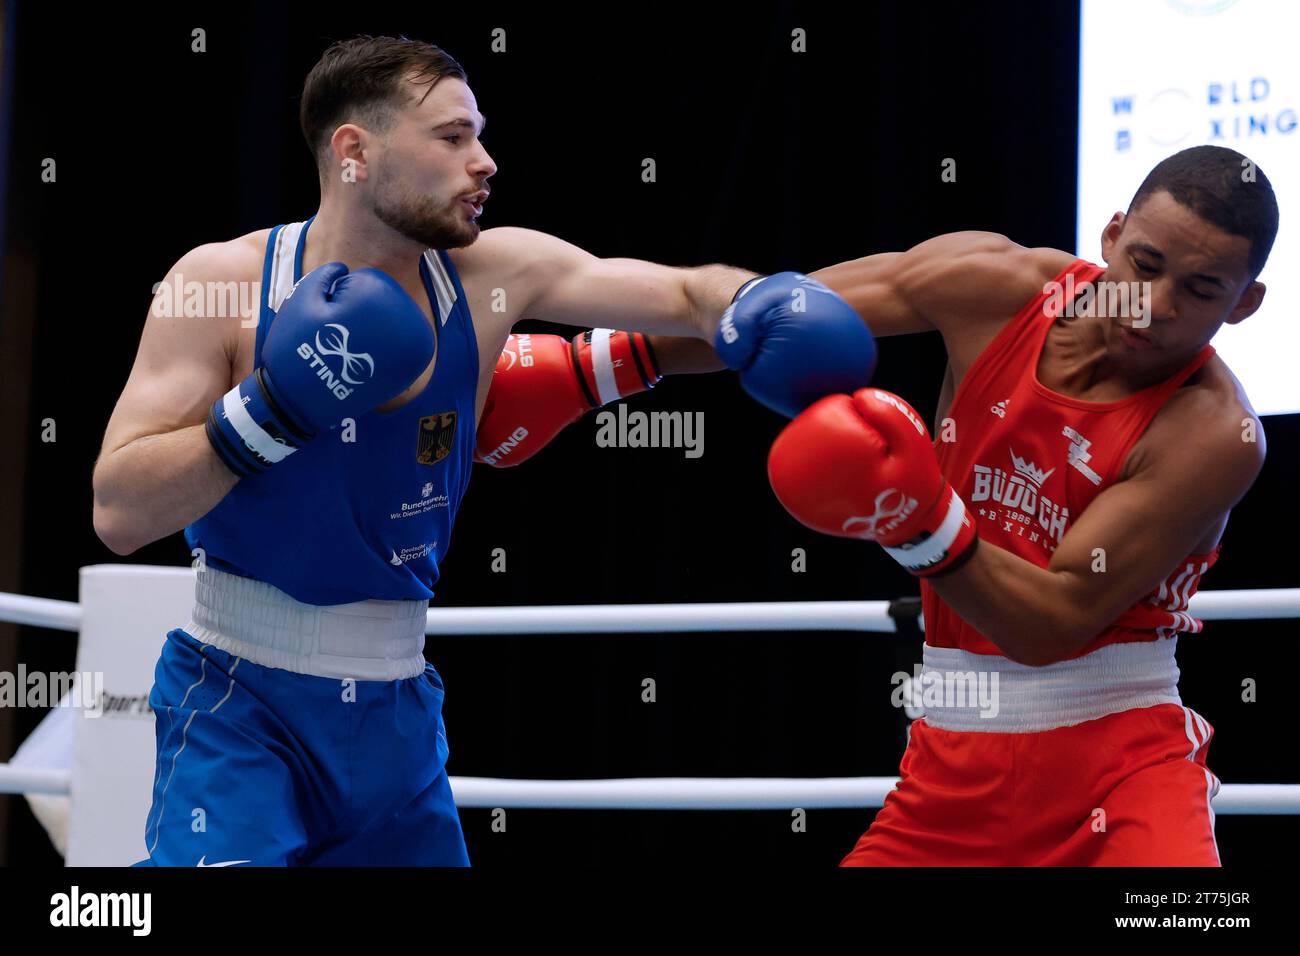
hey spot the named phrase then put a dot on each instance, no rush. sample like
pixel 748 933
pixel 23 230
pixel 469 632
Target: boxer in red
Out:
pixel 1088 448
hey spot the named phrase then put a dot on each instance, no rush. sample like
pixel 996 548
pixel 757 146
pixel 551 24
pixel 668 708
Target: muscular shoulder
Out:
pixel 1208 423
pixel 965 275
pixel 230 260
pixel 506 252
pixel 226 272
pixel 502 270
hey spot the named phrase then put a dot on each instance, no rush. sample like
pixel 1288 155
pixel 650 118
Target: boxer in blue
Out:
pixel 315 450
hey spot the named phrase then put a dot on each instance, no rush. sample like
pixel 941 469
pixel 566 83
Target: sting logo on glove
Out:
pixel 892 507
pixel 862 466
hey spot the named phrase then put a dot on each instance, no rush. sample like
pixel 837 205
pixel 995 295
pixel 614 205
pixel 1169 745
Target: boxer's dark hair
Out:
pixel 1225 189
pixel 363 81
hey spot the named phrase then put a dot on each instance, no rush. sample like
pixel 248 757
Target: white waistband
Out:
pixel 959 690
pixel 366 640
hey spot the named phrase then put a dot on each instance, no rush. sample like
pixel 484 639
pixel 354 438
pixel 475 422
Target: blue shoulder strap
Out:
pixel 467 322
pixel 302 244
pixel 427 278
pixel 264 313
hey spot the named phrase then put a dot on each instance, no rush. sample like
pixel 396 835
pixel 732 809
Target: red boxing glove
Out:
pixel 542 384
pixel 863 466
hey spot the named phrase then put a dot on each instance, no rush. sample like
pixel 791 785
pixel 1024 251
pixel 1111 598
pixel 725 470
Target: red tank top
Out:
pixel 1027 461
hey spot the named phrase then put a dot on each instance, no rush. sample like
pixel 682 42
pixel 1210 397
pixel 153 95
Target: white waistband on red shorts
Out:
pixel 987 692
pixel 365 640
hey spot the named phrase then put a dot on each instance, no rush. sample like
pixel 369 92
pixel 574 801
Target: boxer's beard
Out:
pixel 422 220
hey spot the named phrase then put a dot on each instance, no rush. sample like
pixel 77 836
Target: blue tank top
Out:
pixel 341 521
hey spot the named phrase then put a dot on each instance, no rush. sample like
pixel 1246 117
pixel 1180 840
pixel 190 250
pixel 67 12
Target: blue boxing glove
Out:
pixel 341 344
pixel 794 341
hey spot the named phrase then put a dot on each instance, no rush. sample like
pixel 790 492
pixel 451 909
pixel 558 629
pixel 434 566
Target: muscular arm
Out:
pixel 947 283
pixel 561 283
pixel 950 283
pixel 679 355
pixel 1142 527
pixel 156 470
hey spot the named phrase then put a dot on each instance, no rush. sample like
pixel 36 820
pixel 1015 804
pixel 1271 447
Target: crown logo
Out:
pixel 1029 470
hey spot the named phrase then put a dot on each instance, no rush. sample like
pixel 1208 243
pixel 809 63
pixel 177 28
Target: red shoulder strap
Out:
pixel 1171 384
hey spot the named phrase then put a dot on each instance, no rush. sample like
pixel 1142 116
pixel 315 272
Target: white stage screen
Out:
pixel 1157 76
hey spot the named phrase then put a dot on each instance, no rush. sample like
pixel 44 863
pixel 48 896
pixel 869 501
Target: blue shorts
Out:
pixel 267 767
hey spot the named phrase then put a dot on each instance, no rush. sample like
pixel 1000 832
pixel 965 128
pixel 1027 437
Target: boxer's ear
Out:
pixel 1110 236
pixel 1248 304
pixel 348 148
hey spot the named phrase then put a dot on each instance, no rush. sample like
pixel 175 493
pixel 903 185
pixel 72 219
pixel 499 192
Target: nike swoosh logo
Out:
pixel 223 863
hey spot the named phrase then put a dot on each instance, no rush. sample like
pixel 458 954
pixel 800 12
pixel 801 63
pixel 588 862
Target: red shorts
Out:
pixel 1128 789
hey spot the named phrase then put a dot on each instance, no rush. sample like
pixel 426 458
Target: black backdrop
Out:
pixel 766 159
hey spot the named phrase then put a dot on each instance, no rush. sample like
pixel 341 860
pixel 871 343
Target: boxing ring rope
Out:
pixel 702 793
pixel 1255 604
pixel 692 793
